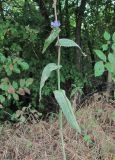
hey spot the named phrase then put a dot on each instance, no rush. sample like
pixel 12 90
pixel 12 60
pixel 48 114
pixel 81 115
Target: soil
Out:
pixel 41 140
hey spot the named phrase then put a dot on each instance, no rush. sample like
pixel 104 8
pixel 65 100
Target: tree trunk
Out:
pixel 1 11
pixel 67 23
pixel 44 13
pixel 60 12
pixel 79 17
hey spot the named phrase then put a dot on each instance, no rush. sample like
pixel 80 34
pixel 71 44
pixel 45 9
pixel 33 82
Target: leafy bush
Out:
pixel 106 56
pixel 10 88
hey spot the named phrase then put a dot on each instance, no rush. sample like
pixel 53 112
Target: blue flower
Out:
pixel 55 24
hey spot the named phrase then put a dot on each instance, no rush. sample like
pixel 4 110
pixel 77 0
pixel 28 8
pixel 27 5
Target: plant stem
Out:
pixel 59 48
pixel 58 77
pixel 58 63
pixel 61 134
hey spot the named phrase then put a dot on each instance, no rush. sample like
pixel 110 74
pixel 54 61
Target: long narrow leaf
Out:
pixel 46 74
pixel 54 34
pixel 64 42
pixel 66 107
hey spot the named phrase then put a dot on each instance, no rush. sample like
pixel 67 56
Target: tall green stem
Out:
pixel 61 134
pixel 58 77
pixel 58 63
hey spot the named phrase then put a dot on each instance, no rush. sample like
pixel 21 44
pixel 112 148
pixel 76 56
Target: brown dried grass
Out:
pixel 41 141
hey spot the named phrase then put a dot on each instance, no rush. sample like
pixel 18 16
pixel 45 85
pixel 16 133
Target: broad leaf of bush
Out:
pixel 99 68
pixel 2 58
pixel 113 47
pixel 105 47
pixel 24 66
pixel 54 34
pixel 22 82
pixel 101 55
pixel 16 69
pixel 66 107
pixel 111 58
pixel 15 96
pixel 2 98
pixel 29 81
pixel 15 84
pixel 46 74
pixel 107 36
pixel 4 86
pixel 113 37
pixel 110 67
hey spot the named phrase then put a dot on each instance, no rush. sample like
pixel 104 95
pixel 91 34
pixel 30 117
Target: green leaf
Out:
pixel 24 66
pixel 113 114
pixel 54 34
pixel 8 71
pixel 29 81
pixel 22 82
pixel 4 87
pixel 15 84
pixel 111 58
pixel 16 69
pixel 87 138
pixel 113 47
pixel 99 68
pixel 2 58
pixel 107 36
pixel 110 67
pixel 113 37
pixel 2 99
pixel 18 60
pixel 64 42
pixel 101 55
pixel 66 107
pixel 67 43
pixel 15 96
pixel 46 74
pixel 105 47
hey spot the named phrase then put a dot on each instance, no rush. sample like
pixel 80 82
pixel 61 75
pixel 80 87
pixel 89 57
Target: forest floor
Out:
pixel 41 141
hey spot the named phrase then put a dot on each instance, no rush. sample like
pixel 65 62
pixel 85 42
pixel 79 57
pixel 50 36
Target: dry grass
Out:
pixel 42 141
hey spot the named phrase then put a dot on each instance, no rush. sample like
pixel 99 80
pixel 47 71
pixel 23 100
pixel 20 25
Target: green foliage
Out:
pixel 54 34
pixel 113 37
pixel 111 58
pixel 105 47
pixel 46 74
pixel 21 116
pixel 113 47
pixel 60 96
pixel 2 99
pixel 108 60
pixel 67 109
pixel 67 43
pixel 23 27
pixel 107 36
pixel 113 114
pixel 11 89
pixel 64 42
pixel 99 68
pixel 87 138
pixel 75 90
pixel 101 55
pixel 29 81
